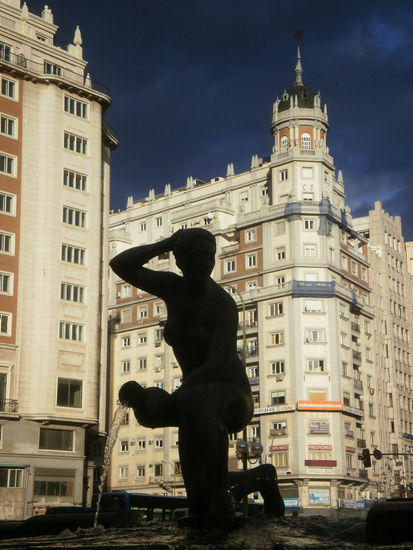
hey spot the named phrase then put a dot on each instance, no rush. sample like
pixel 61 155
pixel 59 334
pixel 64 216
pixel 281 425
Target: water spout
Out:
pixel 110 442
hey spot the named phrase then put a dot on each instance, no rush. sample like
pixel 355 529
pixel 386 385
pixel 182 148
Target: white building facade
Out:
pixel 287 251
pixel 54 185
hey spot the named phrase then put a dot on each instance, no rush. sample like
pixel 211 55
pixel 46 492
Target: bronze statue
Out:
pixel 215 396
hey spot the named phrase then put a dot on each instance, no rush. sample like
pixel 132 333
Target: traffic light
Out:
pixel 377 454
pixel 366 458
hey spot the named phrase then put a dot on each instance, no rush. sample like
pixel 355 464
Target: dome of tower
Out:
pixel 305 97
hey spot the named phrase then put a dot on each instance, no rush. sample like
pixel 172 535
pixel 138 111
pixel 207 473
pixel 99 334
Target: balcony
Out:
pixel 254 380
pixel 278 433
pixel 361 443
pixel 20 64
pixel 349 434
pixel 363 474
pixel 9 405
pixel 355 327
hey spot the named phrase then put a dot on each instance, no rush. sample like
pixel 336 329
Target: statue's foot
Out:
pixel 131 394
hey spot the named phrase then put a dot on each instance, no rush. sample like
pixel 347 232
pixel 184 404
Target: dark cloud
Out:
pixel 193 83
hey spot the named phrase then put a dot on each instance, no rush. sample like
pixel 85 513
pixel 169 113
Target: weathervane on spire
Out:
pixel 298 35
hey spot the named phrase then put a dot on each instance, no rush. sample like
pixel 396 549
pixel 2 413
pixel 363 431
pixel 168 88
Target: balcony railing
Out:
pixel 38 69
pixel 361 443
pixel 358 385
pixel 363 474
pixel 278 433
pixel 356 355
pixel 9 405
pixel 349 433
pixel 355 327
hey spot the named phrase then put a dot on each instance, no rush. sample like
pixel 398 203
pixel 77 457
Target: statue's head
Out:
pixel 194 252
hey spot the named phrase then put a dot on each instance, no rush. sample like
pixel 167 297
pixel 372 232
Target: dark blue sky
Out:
pixel 193 82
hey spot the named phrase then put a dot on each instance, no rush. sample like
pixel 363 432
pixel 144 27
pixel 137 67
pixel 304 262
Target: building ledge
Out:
pixel 50 419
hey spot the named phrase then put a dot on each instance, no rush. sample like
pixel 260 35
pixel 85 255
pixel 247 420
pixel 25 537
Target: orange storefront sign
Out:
pixel 319 406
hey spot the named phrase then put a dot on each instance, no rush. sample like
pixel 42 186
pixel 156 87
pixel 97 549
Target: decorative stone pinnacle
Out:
pixel 298 69
pixel 77 41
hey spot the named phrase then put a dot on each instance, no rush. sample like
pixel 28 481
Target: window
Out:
pixel 142 338
pixel 142 363
pixel 7 126
pixel 158 221
pixel 251 285
pixel 346 398
pixel 343 339
pixel 158 309
pixel 250 235
pixel 5 324
pixel 73 254
pixel 310 250
pixel 282 425
pixel 7 203
pixel 140 444
pixel 5 52
pixel 125 367
pixel 230 265
pixel 277 397
pixel 74 143
pixel 51 68
pixel 69 392
pixel 277 338
pixel 243 197
pixel 315 365
pixel 124 446
pixel 74 180
pixel 251 260
pixel 7 164
pixel 314 335
pixel 308 196
pixel 125 420
pixel 56 440
pixel 371 410
pixel 309 225
pixel 143 312
pixel 176 383
pixel 75 107
pixel 6 243
pixel 74 217
pixel 280 253
pixel 53 489
pixel 125 342
pixel 305 141
pixel 344 369
pixel 123 473
pixel 71 331
pixel 158 384
pixel 277 367
pixel 72 293
pixel 6 283
pixel 158 443
pixel 280 281
pixel 158 470
pixel 11 477
pixel 364 275
pixel 313 306
pixel 142 226
pixel 284 144
pixel 140 471
pixel 275 309
pixel 354 269
pixel 283 175
pixel 8 88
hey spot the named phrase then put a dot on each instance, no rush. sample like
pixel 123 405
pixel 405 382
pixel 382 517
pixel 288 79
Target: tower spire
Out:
pixel 298 34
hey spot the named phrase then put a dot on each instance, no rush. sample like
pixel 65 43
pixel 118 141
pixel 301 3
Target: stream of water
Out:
pixel 110 442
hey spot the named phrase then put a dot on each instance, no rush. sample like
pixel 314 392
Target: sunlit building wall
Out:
pixel 54 200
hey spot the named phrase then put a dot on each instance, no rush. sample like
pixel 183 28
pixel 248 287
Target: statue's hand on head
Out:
pixel 131 394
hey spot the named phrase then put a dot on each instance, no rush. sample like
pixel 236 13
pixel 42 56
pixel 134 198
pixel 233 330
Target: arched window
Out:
pixel 305 141
pixel 284 144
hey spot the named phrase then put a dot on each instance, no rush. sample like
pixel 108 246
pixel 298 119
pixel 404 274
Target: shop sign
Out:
pixel 350 450
pixel 275 448
pixel 319 405
pixel 353 410
pixel 274 409
pixel 320 447
pixel 319 428
pixel 291 502
pixel 319 496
